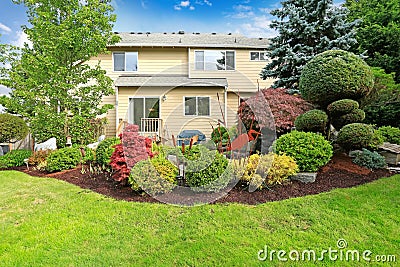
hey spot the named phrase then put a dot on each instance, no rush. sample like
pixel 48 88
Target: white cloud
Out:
pixel 257 27
pixel 143 3
pixel 4 28
pixel 242 8
pixel 203 2
pixel 21 39
pixel 265 10
pixel 207 2
pixel 184 4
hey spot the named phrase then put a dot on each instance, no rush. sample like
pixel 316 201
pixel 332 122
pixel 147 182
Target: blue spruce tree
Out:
pixel 306 28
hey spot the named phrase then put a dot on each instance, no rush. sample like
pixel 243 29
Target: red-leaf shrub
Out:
pixel 284 107
pixel 133 148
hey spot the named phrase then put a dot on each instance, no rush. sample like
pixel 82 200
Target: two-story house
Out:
pixel 168 82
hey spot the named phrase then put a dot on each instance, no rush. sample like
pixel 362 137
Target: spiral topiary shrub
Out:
pixel 12 128
pixel 312 121
pixel 342 107
pixel 334 75
pixel 310 150
pixel 390 134
pixel 356 115
pixel 357 136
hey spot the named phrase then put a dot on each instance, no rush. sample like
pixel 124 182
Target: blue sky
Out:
pixel 248 17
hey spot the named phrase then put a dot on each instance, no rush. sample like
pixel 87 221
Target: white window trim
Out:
pixel 204 63
pixel 259 52
pixel 144 108
pixel 197 107
pixel 124 71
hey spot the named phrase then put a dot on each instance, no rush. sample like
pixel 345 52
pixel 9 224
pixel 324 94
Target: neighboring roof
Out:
pixel 169 81
pixel 182 39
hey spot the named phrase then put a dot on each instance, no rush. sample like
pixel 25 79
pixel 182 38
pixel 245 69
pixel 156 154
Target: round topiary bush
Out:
pixel 390 134
pixel 12 128
pixel 310 150
pixel 357 115
pixel 334 75
pixel 105 149
pixel 342 107
pixel 312 121
pixel 356 136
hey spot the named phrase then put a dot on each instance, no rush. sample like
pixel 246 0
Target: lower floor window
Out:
pixel 197 106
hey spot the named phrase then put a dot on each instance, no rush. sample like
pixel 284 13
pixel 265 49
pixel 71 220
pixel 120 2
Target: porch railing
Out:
pixel 151 127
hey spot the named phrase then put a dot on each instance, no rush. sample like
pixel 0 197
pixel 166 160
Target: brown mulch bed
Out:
pixel 340 172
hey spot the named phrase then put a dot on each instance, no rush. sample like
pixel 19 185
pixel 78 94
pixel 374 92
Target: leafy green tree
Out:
pixel 379 32
pixel 51 82
pixel 306 28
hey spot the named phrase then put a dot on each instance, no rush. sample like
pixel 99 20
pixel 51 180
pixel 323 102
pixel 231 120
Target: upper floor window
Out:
pixel 197 106
pixel 125 61
pixel 258 56
pixel 214 60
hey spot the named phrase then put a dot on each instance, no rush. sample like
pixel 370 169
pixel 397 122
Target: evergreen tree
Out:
pixel 306 28
pixel 52 84
pixel 379 32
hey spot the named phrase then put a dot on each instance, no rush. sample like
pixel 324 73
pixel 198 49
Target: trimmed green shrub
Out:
pixel 312 121
pixel 14 158
pixel 63 159
pixel 390 134
pixel 357 136
pixel 334 75
pixel 207 171
pixel 356 115
pixel 310 150
pixel 220 135
pixel 153 177
pixel 105 150
pixel 369 159
pixel 12 128
pixel 342 107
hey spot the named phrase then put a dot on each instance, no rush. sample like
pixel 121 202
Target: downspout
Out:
pixel 189 50
pixel 116 109
pixel 226 105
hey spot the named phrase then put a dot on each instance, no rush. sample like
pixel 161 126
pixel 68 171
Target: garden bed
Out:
pixel 340 172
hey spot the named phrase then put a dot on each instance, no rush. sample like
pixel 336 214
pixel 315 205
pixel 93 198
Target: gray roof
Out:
pixel 182 39
pixel 169 81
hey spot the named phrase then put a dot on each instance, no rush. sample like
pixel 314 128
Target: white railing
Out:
pixel 150 127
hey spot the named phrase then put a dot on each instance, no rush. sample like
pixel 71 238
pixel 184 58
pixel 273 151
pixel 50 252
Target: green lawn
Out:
pixel 46 222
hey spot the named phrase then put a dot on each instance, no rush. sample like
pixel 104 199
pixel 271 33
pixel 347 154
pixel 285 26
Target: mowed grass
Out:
pixel 46 222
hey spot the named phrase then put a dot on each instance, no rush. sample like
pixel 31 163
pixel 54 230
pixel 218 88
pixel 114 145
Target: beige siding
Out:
pixel 180 61
pixel 243 79
pixel 172 109
pixel 232 108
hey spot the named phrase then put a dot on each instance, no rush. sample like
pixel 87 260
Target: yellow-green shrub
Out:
pixel 265 170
